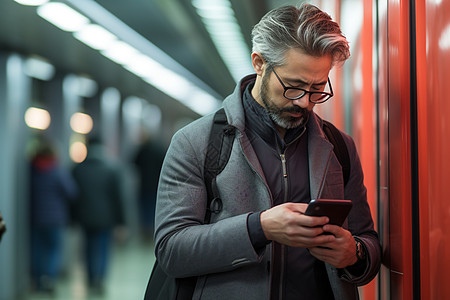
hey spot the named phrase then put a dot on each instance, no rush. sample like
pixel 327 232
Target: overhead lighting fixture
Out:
pixel 39 68
pixel 31 2
pixel 78 152
pixel 201 102
pixel 95 36
pixel 221 24
pixel 37 118
pixel 120 52
pixel 112 44
pixel 62 16
pixel 142 65
pixel 81 123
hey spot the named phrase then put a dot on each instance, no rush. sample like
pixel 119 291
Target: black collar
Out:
pixel 258 121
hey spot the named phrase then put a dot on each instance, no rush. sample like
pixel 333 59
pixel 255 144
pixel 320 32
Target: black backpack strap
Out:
pixel 340 148
pixel 218 152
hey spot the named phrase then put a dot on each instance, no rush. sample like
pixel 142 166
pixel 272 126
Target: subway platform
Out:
pixel 128 272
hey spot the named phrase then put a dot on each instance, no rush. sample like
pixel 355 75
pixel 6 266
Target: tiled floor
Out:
pixel 129 270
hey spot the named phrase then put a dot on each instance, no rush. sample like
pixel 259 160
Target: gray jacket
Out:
pixel 221 253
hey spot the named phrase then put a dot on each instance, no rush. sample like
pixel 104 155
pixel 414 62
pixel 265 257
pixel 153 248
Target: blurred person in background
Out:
pixel 52 191
pixel 2 226
pixel 98 210
pixel 148 161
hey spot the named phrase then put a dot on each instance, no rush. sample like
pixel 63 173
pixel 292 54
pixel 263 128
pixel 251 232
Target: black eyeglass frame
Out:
pixel 286 88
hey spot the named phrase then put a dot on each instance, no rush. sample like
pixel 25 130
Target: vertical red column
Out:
pixel 421 66
pixel 433 71
pixel 382 91
pixel 400 234
pixel 368 129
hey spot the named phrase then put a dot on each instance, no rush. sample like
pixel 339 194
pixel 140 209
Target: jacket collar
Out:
pixel 319 155
pixel 233 106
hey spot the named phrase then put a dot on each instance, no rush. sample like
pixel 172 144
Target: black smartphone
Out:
pixel 336 210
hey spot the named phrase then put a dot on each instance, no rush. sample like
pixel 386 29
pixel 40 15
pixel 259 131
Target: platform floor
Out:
pixel 129 269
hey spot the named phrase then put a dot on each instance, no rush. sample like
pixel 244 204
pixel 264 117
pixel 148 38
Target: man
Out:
pixel 2 227
pixel 148 161
pixel 261 245
pixel 99 210
pixel 52 193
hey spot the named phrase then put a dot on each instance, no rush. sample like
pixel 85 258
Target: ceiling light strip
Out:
pixel 225 32
pixel 62 16
pixel 162 63
pixel 121 44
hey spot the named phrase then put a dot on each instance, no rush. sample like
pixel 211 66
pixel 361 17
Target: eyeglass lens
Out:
pixel 296 94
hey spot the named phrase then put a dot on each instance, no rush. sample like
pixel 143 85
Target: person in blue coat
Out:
pixel 52 191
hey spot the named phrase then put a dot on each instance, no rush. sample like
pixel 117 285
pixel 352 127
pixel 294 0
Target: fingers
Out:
pixel 332 256
pixel 341 252
pixel 287 225
pixel 309 241
pixel 333 229
pixel 327 255
pixel 296 211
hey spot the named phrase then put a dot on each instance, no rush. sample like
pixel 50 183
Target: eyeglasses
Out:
pixel 293 93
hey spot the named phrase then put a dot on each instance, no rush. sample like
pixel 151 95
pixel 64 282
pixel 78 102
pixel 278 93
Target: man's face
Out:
pixel 300 71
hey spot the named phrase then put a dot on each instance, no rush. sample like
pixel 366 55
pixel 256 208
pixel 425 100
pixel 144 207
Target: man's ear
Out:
pixel 258 63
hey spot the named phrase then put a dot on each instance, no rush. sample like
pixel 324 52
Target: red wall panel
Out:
pixel 399 150
pixel 382 85
pixel 433 66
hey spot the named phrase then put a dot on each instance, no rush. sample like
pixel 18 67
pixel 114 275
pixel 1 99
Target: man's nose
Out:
pixel 303 102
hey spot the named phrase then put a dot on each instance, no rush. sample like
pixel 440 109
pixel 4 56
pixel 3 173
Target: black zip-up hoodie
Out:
pixel 296 274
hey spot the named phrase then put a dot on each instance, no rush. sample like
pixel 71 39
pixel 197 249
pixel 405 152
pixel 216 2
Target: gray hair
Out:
pixel 306 27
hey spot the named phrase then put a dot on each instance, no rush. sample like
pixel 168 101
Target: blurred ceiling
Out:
pixel 172 25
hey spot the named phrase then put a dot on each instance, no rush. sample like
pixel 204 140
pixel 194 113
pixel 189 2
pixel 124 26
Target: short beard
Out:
pixel 276 113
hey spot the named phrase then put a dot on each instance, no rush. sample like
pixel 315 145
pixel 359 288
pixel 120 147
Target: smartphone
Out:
pixel 336 210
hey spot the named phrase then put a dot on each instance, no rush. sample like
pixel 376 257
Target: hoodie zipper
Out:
pixel 283 247
pixel 285 200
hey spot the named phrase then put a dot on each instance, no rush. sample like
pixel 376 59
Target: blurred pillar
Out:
pixel 15 92
pixel 54 105
pixel 71 104
pixel 110 120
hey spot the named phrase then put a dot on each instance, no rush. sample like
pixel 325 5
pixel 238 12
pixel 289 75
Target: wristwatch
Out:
pixel 360 254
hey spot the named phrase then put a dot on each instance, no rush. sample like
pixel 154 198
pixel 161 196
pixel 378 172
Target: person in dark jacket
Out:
pixel 148 161
pixel 98 210
pixel 2 226
pixel 52 191
pixel 260 244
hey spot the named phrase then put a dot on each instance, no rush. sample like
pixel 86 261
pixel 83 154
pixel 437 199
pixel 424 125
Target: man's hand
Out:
pixel 287 224
pixel 341 252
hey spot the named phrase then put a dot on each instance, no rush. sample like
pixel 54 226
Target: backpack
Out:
pixel 221 137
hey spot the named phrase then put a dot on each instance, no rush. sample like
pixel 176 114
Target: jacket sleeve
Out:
pixel 184 245
pixel 360 220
